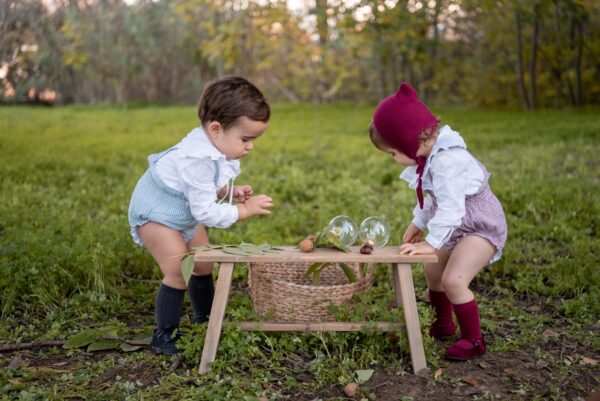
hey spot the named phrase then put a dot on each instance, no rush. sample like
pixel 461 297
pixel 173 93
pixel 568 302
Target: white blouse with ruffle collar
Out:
pixel 451 173
pixel 199 170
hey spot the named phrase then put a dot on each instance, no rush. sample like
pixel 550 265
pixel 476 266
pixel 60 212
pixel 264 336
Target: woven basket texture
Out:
pixel 281 293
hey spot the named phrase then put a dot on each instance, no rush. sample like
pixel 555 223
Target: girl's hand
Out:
pixel 416 249
pixel 241 193
pixel 255 205
pixel 413 234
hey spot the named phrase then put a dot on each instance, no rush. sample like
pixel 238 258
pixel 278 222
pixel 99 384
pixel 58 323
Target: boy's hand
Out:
pixel 255 205
pixel 413 234
pixel 416 249
pixel 241 193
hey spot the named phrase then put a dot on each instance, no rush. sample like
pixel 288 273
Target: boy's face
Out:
pixel 238 140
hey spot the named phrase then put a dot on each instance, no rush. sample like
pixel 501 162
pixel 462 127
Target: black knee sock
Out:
pixel 169 303
pixel 201 290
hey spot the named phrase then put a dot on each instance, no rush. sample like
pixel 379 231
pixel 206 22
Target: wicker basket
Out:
pixel 280 292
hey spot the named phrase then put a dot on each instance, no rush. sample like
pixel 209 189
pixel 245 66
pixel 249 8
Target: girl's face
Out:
pixel 238 140
pixel 401 158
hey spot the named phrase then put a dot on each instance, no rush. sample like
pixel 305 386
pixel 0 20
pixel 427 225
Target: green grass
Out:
pixel 67 259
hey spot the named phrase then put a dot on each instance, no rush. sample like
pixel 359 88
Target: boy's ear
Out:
pixel 214 128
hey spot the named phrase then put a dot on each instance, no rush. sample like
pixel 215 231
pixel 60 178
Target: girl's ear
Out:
pixel 214 129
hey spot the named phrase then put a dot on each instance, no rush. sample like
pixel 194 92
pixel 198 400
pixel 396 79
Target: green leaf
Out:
pixel 251 249
pixel 235 251
pixel 129 348
pixel 201 248
pixel 187 267
pixel 108 332
pixel 363 375
pixel 83 338
pixel 364 267
pixel 348 272
pixel 312 269
pixel 103 344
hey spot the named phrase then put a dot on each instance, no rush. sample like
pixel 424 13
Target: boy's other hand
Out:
pixel 241 193
pixel 413 234
pixel 419 248
pixel 255 205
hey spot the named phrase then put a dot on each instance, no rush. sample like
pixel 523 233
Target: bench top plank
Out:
pixel 388 254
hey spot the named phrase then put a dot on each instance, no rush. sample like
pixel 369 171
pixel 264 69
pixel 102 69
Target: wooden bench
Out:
pixel 402 282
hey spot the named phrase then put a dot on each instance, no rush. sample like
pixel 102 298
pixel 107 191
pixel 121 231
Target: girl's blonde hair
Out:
pixel 424 136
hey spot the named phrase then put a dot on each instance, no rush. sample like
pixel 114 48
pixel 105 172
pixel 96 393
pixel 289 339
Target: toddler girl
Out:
pixel 465 221
pixel 190 186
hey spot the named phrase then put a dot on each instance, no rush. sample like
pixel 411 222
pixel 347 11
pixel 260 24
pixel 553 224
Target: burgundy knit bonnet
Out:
pixel 399 120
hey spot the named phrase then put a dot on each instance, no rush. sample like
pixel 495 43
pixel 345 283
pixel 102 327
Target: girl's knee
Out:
pixel 454 283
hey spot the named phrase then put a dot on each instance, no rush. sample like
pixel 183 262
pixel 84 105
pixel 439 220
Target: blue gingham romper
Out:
pixel 153 200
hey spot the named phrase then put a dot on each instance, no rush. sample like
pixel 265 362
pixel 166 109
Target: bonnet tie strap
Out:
pixel 420 169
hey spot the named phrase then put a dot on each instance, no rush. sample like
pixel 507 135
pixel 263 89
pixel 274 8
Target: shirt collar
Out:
pixel 447 139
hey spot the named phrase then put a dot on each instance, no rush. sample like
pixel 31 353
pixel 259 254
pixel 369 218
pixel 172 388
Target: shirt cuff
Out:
pixel 418 221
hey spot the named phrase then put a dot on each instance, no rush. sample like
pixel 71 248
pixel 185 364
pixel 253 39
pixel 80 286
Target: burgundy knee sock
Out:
pixel 471 343
pixel 443 326
pixel 467 315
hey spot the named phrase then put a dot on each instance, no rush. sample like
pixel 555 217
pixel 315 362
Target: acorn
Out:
pixel 351 390
pixel 367 247
pixel 308 245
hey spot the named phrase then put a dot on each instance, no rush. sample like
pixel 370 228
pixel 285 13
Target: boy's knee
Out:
pixel 203 268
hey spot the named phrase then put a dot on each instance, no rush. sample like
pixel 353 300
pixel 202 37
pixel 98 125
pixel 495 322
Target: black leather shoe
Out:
pixel 163 342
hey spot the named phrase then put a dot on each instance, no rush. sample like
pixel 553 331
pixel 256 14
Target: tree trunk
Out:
pixel 578 57
pixel 533 62
pixel 520 75
pixel 427 93
pixel 322 27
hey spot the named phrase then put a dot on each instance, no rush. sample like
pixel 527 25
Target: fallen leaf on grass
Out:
pixel 437 375
pixel 17 362
pixel 588 361
pixel 484 365
pixel 363 375
pixel 534 308
pixel 550 333
pixel 510 371
pixel 472 381
pixel 540 364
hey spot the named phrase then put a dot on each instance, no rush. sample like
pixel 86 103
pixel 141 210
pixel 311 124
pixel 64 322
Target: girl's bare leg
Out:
pixel 469 256
pixel 434 271
pixel 442 326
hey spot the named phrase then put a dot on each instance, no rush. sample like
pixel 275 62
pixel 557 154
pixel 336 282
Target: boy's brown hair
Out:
pixel 228 98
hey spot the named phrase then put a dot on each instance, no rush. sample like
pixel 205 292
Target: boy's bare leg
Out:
pixel 200 238
pixel 201 287
pixel 164 244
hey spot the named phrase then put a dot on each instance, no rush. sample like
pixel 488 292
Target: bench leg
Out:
pixel 403 275
pixel 217 314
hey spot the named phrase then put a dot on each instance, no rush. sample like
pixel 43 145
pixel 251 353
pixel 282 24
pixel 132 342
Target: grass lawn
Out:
pixel 68 264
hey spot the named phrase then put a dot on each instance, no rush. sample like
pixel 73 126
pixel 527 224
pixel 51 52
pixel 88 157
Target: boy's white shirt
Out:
pixel 451 173
pixel 199 170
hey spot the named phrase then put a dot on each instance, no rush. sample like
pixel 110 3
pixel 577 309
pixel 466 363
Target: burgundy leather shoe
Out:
pixel 465 349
